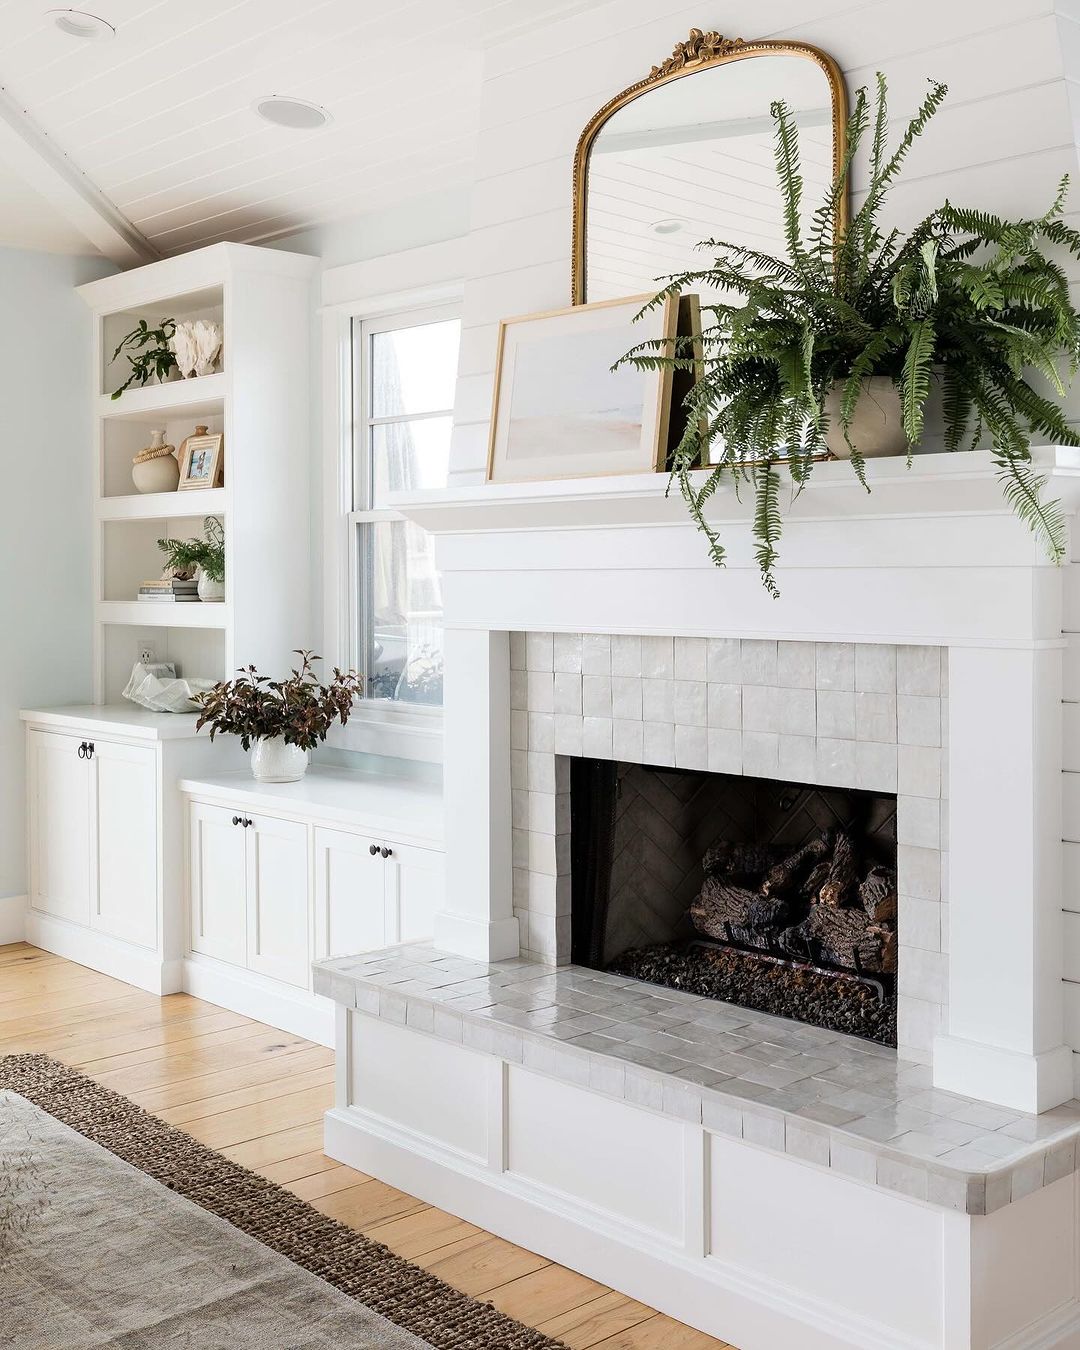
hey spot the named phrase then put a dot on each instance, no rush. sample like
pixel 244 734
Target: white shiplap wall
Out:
pixel 1002 141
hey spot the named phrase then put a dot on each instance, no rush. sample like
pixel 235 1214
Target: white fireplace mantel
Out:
pixel 932 555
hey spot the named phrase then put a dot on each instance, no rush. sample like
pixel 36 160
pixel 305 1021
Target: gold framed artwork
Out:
pixel 202 461
pixel 560 410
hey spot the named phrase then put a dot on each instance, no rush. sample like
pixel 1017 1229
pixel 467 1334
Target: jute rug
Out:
pixel 119 1230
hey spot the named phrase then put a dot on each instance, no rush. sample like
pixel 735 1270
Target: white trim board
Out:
pixel 12 919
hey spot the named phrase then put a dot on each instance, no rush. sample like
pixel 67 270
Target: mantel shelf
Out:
pixel 179 396
pixel 163 505
pixel 935 486
pixel 167 614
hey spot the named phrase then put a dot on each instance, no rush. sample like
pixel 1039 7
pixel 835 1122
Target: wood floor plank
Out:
pixel 544 1294
pixel 421 1232
pixel 258 1095
pixel 364 1205
pixel 268 1117
pixel 477 1265
pixel 594 1322
pixel 327 1182
pixel 204 1088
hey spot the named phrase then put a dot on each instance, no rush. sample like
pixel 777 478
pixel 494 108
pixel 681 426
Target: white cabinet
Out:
pixel 124 828
pixel 94 834
pixel 279 941
pixel 281 875
pixel 218 883
pixel 60 857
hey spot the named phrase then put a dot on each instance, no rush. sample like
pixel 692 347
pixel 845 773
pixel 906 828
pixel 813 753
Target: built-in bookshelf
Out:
pixel 259 401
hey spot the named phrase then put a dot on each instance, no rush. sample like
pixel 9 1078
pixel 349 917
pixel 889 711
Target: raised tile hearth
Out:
pixel 821 1097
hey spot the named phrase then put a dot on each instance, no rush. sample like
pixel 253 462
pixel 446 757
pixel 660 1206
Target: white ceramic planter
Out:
pixel 272 761
pixel 210 592
pixel 877 429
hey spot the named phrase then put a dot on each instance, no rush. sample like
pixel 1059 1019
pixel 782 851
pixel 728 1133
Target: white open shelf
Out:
pixel 162 505
pixel 259 401
pixel 164 614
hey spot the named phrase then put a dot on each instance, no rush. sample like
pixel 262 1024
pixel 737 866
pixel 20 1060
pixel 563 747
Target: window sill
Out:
pixel 402 733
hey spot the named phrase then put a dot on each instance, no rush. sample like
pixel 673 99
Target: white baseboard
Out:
pixel 87 947
pixel 296 1011
pixel 12 919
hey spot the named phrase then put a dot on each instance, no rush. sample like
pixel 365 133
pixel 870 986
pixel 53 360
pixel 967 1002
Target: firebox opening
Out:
pixel 776 896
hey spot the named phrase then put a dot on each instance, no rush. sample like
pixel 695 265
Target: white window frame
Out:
pixel 376 726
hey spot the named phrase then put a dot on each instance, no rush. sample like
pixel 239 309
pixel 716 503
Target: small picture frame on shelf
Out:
pixel 562 412
pixel 202 463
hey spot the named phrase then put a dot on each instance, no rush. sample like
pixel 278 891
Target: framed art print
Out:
pixel 561 411
pixel 201 462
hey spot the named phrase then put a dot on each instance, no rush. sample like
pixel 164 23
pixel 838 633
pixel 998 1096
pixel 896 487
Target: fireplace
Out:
pixel 772 895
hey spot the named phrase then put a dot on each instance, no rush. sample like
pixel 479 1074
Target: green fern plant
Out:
pixel 965 299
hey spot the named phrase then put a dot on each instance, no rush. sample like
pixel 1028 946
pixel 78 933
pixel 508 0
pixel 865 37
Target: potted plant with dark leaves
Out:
pixel 279 721
pixel 832 350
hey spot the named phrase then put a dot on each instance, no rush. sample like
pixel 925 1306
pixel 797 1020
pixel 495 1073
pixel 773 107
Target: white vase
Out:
pixel 272 761
pixel 159 474
pixel 210 592
pixel 877 428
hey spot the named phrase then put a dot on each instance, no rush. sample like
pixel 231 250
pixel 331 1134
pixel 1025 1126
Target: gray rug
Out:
pixel 95 1253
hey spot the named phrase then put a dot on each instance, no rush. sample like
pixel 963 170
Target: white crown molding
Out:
pixel 49 171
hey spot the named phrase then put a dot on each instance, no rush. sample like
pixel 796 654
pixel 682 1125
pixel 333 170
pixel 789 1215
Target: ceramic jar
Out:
pixel 155 469
pixel 877 429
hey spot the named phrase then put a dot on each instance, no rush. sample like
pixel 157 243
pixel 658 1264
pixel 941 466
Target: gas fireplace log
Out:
pixel 877 895
pixel 841 937
pixel 808 892
pixel 742 862
pixel 728 912
pixel 843 872
pixel 787 874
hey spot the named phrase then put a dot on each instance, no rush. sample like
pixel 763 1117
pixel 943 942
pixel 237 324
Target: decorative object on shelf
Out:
pixel 183 556
pixel 561 411
pixel 196 344
pixel 148 351
pixel 170 589
pixel 157 686
pixel 875 424
pixel 155 469
pixel 964 300
pixel 202 460
pixel 279 721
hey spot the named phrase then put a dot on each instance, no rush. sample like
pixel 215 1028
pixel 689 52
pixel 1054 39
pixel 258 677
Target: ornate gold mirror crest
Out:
pixel 696 162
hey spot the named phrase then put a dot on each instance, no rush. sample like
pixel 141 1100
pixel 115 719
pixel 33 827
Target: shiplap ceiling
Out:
pixel 160 117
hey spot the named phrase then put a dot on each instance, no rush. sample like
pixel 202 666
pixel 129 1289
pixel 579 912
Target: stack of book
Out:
pixel 172 591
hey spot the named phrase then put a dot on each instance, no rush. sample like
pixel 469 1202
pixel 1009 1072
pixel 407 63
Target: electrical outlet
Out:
pixel 146 654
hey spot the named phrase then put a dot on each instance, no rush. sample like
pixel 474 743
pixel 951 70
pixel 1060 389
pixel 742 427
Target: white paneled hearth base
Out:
pixel 842 1206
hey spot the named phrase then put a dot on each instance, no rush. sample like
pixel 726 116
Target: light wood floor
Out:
pixel 257 1095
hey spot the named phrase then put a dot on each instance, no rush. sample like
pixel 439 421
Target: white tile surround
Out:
pixel 836 714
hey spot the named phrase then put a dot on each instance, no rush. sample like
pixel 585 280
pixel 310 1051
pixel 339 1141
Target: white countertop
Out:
pixel 371 801
pixel 121 719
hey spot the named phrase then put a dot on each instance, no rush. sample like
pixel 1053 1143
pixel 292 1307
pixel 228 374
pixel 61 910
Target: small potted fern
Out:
pixel 207 555
pixel 832 350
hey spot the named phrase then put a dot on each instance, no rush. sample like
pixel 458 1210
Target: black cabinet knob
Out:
pixel 82 750
pixel 386 852
pixel 373 850
pixel 236 820
pixel 248 822
pixel 90 750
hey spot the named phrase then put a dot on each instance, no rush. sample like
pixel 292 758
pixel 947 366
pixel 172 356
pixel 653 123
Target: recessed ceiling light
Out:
pixel 77 23
pixel 672 226
pixel 296 113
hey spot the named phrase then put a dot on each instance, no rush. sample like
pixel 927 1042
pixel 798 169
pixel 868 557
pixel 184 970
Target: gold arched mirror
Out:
pixel 672 161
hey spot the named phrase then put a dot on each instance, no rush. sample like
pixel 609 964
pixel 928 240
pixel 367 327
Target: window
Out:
pixel 404 371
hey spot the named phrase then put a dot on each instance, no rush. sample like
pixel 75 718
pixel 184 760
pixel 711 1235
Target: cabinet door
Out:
pixel 415 883
pixel 350 894
pixel 60 853
pixel 279 940
pixel 218 883
pixel 124 820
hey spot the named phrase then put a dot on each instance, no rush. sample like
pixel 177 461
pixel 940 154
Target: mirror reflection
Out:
pixel 693 159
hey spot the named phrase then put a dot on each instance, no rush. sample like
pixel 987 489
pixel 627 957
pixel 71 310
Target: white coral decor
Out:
pixel 196 345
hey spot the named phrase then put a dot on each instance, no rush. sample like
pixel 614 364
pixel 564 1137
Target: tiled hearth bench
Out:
pixel 773 1183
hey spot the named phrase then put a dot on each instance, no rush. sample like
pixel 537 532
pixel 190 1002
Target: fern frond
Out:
pixel 915 378
pixel 767 525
